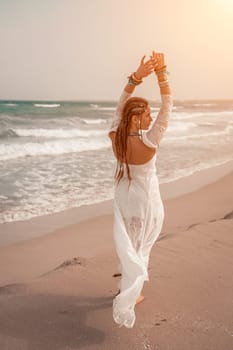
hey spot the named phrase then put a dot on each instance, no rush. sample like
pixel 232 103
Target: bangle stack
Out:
pixel 163 83
pixel 133 80
pixel 162 71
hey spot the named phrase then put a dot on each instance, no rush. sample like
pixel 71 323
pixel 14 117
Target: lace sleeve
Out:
pixel 153 137
pixel 117 117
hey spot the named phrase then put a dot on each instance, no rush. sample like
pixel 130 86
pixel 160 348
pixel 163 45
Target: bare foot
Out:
pixel 140 299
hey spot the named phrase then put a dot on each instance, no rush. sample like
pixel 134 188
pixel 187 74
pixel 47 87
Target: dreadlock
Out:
pixel 133 106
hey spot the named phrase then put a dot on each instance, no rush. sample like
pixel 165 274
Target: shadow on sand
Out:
pixel 50 321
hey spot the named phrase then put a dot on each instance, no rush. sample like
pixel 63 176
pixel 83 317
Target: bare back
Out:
pixel 137 152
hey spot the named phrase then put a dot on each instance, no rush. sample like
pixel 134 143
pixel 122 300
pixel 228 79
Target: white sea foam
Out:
pixel 179 126
pixel 204 104
pixel 189 115
pixel 154 109
pixel 114 108
pixel 67 177
pixel 11 151
pixel 93 105
pixel 58 133
pixel 185 115
pixel 206 124
pixel 3 197
pixel 45 105
pixel 223 132
pixel 93 121
pixel 9 104
pixel 106 108
pixel 179 107
pixel 47 203
pixel 50 204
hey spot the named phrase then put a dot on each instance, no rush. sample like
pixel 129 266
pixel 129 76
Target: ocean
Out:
pixel 56 155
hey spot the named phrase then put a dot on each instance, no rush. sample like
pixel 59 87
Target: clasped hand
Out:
pixel 155 63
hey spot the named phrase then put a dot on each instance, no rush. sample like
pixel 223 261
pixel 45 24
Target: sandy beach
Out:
pixel 57 289
pixel 83 85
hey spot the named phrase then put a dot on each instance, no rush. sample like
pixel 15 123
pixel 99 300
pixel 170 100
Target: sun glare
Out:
pixel 224 4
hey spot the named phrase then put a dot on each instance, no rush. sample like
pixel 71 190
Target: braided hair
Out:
pixel 133 106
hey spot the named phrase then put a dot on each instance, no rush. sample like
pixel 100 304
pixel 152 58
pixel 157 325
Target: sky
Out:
pixel 85 49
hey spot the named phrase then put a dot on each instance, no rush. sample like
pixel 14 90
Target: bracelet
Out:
pixel 162 72
pixel 164 84
pixel 136 79
pixel 133 80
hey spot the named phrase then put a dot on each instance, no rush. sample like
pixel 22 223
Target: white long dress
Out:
pixel 138 216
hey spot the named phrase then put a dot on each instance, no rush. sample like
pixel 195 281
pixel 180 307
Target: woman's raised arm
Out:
pixel 153 137
pixel 144 69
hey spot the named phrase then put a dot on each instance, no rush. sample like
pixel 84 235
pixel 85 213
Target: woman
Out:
pixel 138 208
